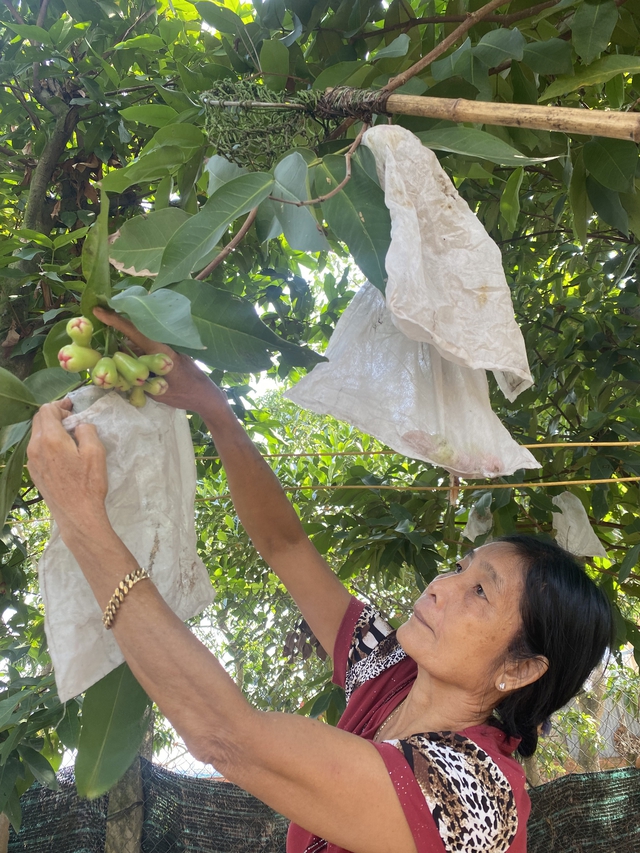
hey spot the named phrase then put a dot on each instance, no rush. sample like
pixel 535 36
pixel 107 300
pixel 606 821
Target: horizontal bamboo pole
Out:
pixel 617 125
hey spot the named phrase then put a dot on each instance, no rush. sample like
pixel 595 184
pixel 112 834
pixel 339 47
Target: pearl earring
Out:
pixel 501 686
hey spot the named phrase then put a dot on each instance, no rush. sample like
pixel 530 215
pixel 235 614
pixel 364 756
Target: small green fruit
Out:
pixel 74 357
pixel 131 369
pixel 122 384
pixel 105 374
pixel 156 386
pixel 160 364
pixel 80 330
pixel 138 398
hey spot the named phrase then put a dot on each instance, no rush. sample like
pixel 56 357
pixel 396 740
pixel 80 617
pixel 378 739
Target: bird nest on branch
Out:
pixel 254 126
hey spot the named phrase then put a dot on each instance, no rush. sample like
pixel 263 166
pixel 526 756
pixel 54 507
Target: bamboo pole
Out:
pixel 617 125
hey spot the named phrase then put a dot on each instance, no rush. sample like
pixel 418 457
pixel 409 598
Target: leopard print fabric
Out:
pixel 374 649
pixel 468 795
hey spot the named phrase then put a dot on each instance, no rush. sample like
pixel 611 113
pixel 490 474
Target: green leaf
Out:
pixel 137 247
pixel 607 205
pixel 114 721
pixel 612 162
pixel 499 45
pixel 55 340
pixel 510 199
pixel 39 766
pixel 221 171
pixel 69 237
pixel 17 403
pixel 598 72
pixel 52 383
pixel 235 337
pixel 471 142
pixel 13 810
pixel 629 562
pixel 36 35
pixel 631 203
pixel 398 47
pixel 578 199
pixel 343 74
pixel 220 17
pixel 35 236
pixel 146 42
pixel 274 62
pixel 11 479
pixel 163 316
pixel 194 241
pixel 357 215
pixel 154 115
pixel 552 56
pixel 298 223
pixel 591 28
pixel 8 777
pixel 11 434
pixel 68 728
pixel 95 261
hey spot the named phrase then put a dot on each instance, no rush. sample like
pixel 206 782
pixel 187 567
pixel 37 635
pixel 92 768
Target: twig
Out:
pixel 470 21
pixel 20 96
pixel 341 185
pixel 505 20
pixel 42 14
pixel 231 245
pixel 17 17
pixel 138 20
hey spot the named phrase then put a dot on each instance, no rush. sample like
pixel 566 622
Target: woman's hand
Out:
pixel 70 472
pixel 189 387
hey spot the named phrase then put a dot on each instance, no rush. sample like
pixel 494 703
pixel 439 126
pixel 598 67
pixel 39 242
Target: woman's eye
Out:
pixel 479 589
pixel 458 568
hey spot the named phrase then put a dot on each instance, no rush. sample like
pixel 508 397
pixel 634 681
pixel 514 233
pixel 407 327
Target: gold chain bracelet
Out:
pixel 120 594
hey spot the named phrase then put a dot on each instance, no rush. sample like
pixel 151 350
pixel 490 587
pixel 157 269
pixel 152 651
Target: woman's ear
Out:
pixel 518 673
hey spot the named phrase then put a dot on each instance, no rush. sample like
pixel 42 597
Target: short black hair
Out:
pixel 566 618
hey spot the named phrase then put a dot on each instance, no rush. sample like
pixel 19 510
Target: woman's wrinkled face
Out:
pixel 463 623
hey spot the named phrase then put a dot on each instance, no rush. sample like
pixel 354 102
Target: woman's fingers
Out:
pixel 116 321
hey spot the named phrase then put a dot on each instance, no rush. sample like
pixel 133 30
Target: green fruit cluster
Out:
pixel 120 371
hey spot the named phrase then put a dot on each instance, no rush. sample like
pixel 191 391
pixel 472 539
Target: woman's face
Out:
pixel 464 621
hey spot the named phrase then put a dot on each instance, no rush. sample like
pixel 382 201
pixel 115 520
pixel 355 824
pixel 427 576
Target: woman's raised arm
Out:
pixel 260 502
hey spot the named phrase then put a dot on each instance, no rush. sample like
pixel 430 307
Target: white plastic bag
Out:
pixel 152 483
pixel 446 285
pixel 405 394
pixel 573 529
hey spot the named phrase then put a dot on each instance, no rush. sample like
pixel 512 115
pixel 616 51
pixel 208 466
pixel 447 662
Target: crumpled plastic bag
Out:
pixel 477 524
pixel 573 529
pixel 446 285
pixel 152 482
pixel 405 394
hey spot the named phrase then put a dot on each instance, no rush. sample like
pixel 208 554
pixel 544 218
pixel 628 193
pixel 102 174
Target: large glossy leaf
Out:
pixel 471 142
pixel 235 337
pixel 114 720
pixel 189 247
pixel 39 766
pixel 56 339
pixel 154 115
pixel 17 403
pixel 11 478
pixel 357 215
pixel 592 26
pixel 163 316
pixel 219 17
pixel 95 261
pixel 137 247
pixel 612 162
pixel 552 56
pixel 52 383
pixel 598 72
pixel 398 47
pixel 578 200
pixel 8 776
pixel 298 223
pixel 274 61
pixel 510 199
pixel 499 45
pixel 607 205
pixel 10 435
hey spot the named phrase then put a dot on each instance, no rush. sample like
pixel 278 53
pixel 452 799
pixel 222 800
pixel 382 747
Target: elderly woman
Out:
pixel 422 759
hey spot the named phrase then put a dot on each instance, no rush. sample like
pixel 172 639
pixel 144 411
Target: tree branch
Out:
pixel 42 14
pixel 231 245
pixel 34 213
pixel 505 20
pixel 25 106
pixel 17 17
